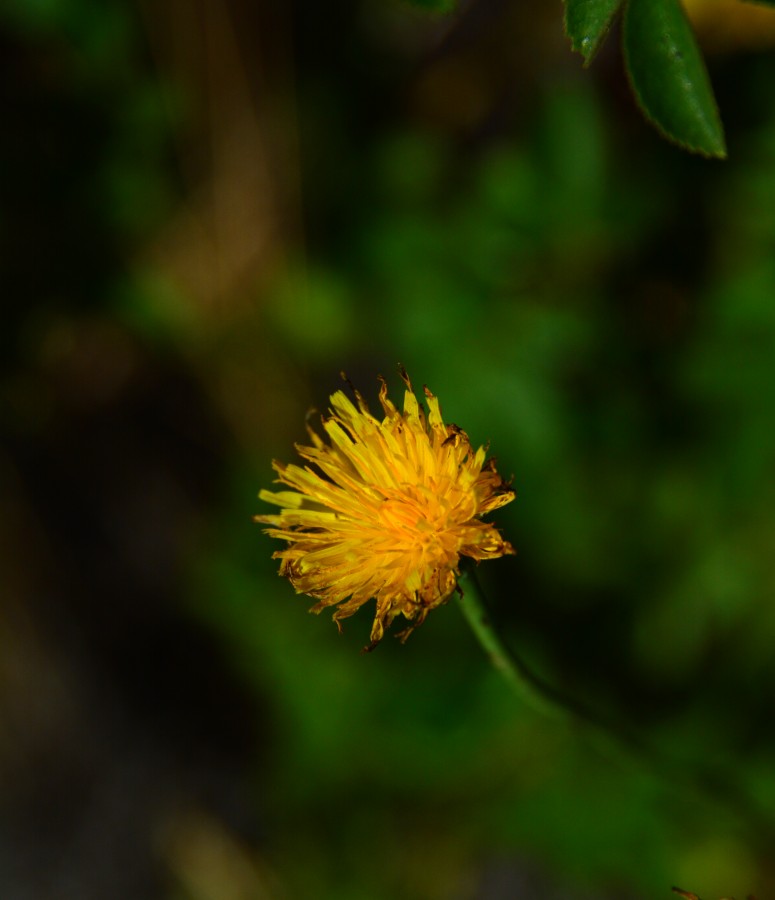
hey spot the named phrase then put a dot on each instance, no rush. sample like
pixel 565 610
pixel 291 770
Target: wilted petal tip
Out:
pixel 386 510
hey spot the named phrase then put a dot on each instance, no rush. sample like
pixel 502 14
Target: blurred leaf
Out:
pixel 433 5
pixel 669 77
pixel 411 169
pixel 573 165
pixel 36 15
pixel 587 23
pixel 313 310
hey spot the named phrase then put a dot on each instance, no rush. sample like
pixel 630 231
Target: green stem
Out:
pixel 709 783
pixel 523 681
pixel 528 686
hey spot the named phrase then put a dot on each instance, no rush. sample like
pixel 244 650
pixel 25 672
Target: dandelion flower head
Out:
pixel 384 509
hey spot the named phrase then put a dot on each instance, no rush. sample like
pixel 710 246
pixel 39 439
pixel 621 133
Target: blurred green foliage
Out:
pixel 434 5
pixel 595 306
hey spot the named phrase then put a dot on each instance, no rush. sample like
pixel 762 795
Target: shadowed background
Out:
pixel 211 208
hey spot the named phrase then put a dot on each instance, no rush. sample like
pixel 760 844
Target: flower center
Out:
pixel 416 525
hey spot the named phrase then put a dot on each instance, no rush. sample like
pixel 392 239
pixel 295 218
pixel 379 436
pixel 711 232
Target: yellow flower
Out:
pixel 388 510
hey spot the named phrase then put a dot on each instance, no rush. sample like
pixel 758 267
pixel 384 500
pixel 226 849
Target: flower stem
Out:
pixel 528 686
pixel 531 688
pixel 522 680
pixel 704 781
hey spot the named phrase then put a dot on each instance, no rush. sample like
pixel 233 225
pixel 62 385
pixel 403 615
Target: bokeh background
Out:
pixel 211 207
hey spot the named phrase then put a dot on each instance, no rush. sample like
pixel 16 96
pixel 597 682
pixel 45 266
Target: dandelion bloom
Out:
pixel 387 511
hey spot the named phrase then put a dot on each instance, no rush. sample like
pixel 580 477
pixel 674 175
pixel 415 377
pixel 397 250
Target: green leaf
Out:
pixel 587 23
pixel 669 77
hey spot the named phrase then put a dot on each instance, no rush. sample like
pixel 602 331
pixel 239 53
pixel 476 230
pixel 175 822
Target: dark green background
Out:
pixel 207 211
